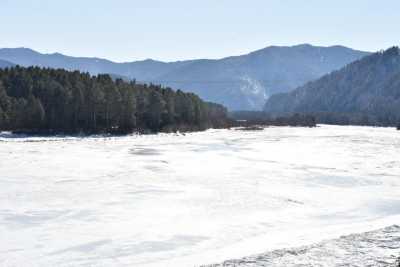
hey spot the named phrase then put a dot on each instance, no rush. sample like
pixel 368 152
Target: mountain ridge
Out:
pixel 22 48
pixel 239 82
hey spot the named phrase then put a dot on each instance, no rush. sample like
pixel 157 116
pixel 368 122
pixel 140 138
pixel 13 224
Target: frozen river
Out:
pixel 174 200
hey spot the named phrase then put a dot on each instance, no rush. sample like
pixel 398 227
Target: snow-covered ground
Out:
pixel 174 200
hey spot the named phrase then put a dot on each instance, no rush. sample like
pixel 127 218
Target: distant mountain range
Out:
pixel 240 82
pixel 369 86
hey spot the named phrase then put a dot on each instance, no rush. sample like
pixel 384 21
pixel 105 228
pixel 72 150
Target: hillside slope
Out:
pixel 5 64
pixel 370 86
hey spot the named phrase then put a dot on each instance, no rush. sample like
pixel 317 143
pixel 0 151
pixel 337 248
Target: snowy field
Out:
pixel 173 200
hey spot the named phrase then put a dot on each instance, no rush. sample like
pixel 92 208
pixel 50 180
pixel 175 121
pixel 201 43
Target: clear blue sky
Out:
pixel 126 30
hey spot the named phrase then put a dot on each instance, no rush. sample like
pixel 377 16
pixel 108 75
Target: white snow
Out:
pixel 255 92
pixel 174 200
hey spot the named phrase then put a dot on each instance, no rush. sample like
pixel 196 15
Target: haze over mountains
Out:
pixel 5 64
pixel 240 82
pixel 369 86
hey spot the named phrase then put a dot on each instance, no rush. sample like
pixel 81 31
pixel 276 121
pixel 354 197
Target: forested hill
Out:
pixel 364 92
pixel 37 100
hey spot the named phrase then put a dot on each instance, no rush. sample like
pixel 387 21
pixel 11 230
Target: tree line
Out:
pixel 44 100
pixel 261 118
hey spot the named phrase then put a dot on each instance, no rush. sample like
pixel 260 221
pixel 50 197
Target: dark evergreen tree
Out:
pixel 155 111
pixel 128 108
pixel 34 113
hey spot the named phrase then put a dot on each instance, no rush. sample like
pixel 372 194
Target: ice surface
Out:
pixel 188 200
pixel 378 248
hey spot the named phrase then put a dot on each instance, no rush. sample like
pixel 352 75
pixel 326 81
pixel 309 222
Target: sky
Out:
pixel 169 30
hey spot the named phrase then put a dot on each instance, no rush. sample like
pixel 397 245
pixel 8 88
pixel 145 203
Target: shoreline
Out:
pixel 252 128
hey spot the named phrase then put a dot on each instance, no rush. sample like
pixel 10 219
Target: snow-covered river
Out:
pixel 186 200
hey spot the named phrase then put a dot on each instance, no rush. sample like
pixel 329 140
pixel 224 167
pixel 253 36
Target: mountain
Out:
pixel 239 82
pixel 369 86
pixel 144 70
pixel 5 64
pixel 245 82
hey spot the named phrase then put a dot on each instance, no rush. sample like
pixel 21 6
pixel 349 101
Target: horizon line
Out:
pixel 183 60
